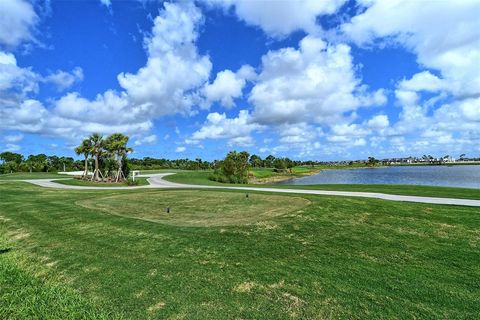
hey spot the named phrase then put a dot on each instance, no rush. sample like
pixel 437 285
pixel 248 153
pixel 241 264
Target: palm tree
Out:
pixel 116 144
pixel 84 148
pixel 98 144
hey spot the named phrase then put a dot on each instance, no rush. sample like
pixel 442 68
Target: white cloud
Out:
pixel 378 122
pixel 147 140
pixel 106 3
pixel 281 18
pixel 180 149
pixel 13 138
pixel 17 21
pixel 444 35
pixel 29 116
pixel 64 80
pixel 15 80
pixel 423 81
pixel 315 83
pixel 12 147
pixel 169 83
pixel 228 85
pixel 298 133
pixel 174 70
pixel 471 109
pixel 218 126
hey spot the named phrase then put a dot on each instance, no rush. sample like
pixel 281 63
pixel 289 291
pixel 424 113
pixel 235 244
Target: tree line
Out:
pixel 234 168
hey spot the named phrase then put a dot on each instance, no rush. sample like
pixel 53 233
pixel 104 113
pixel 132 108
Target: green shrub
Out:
pixel 130 182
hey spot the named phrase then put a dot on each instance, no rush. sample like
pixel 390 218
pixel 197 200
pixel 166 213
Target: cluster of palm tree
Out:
pixel 114 147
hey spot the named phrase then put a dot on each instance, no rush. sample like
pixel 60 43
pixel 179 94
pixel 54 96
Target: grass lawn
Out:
pixel 142 181
pixel 194 177
pixel 33 175
pixel 66 254
pixel 262 173
pixel 427 191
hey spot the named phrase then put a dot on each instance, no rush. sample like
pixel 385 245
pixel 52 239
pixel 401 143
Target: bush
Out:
pixel 130 182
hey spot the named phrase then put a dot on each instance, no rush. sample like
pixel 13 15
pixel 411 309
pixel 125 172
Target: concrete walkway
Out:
pixel 157 182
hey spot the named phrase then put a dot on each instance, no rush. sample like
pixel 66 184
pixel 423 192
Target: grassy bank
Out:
pixel 83 255
pixel 269 175
pixel 33 175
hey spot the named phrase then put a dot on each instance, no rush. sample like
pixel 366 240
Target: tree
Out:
pixel 11 160
pixel 116 145
pixel 255 161
pixel 268 163
pixel 98 145
pixel 372 161
pixel 233 169
pixel 279 164
pixel 85 148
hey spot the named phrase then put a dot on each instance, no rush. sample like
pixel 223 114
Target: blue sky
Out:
pixel 310 79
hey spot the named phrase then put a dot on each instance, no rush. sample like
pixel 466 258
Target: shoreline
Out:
pixel 281 178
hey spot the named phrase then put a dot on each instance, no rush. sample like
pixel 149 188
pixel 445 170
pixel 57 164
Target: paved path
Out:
pixel 157 182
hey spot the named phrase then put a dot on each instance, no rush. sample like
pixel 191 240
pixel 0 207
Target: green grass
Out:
pixel 25 296
pixel 194 177
pixel 262 173
pixel 33 175
pixel 142 181
pixel 413 190
pixel 337 257
pixel 205 209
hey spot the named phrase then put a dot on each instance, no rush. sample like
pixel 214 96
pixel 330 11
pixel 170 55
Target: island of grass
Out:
pixel 218 254
pixel 139 181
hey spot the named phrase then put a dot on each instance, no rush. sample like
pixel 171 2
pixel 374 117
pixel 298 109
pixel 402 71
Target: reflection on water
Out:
pixel 467 176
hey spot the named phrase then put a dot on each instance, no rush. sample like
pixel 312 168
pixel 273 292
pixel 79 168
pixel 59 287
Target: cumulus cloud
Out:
pixel 174 71
pixel 378 122
pixel 15 80
pixel 280 18
pixel 170 82
pixel 315 83
pixel 439 110
pixel 218 126
pixel 17 21
pixel 146 140
pixel 228 86
pixel 180 149
pixel 29 116
pixel 444 36
pixel 64 80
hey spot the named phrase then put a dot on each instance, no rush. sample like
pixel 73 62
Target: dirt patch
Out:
pixel 157 306
pixel 245 287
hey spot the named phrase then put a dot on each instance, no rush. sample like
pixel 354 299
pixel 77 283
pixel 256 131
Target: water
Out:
pixel 467 176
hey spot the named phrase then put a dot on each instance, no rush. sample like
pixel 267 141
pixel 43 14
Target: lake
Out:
pixel 467 176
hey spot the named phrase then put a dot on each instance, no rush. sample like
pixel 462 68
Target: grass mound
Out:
pixel 197 208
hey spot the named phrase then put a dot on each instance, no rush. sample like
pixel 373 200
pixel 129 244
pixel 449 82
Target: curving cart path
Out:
pixel 157 182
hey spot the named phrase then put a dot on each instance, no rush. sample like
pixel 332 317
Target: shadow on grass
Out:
pixel 6 250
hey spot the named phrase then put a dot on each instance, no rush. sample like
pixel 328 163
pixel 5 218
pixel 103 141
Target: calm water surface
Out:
pixel 467 176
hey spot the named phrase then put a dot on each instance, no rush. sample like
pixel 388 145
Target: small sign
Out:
pixel 135 173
